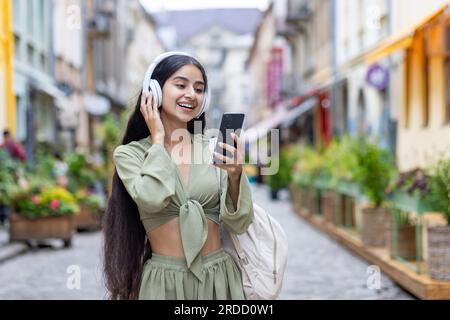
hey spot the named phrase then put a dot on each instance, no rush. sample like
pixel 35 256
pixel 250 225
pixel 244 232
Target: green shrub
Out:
pixel 438 196
pixel 373 172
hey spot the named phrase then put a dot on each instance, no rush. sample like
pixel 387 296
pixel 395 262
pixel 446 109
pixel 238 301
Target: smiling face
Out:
pixel 183 94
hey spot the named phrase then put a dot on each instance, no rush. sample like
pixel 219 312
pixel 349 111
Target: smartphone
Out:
pixel 231 123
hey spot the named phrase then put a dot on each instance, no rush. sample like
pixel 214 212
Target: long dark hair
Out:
pixel 126 247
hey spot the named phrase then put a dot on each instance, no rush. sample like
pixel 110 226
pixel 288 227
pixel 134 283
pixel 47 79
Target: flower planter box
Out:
pixel 25 229
pixel 87 220
pixel 439 253
pixel 374 224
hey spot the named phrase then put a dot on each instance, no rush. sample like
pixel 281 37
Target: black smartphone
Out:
pixel 232 122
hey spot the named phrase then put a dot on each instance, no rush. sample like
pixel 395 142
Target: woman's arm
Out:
pixel 148 176
pixel 233 189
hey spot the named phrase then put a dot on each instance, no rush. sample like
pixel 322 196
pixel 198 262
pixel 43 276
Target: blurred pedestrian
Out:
pixel 60 170
pixel 14 148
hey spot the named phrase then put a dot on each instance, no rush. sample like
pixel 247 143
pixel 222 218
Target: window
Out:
pixel 30 19
pixel 17 18
pixel 17 47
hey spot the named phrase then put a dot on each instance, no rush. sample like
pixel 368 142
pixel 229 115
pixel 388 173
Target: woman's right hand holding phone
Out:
pixel 152 118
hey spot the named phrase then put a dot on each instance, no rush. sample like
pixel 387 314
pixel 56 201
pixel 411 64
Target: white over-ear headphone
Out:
pixel 152 85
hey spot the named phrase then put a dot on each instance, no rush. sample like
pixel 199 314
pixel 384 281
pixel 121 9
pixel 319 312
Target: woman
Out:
pixel 161 227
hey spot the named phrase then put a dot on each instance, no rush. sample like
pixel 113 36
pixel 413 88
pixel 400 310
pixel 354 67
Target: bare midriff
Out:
pixel 166 239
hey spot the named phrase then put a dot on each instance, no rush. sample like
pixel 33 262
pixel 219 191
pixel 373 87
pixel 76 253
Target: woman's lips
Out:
pixel 184 109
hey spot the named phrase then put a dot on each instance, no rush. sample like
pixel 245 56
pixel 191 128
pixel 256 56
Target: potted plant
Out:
pixel 41 211
pixel 342 163
pixel 407 194
pixel 402 239
pixel 373 173
pixel 84 181
pixel 439 237
pixel 8 176
pixel 283 177
pixel 307 168
pixel 89 217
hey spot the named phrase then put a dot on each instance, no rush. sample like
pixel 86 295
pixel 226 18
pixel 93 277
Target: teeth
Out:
pixel 186 105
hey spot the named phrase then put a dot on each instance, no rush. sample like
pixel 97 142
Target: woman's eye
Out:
pixel 199 90
pixel 181 86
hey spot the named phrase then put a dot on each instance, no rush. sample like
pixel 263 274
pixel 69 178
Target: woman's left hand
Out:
pixel 232 165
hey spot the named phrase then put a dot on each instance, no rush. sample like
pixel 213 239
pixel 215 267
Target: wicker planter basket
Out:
pixel 329 200
pixel 439 253
pixel 295 195
pixel 307 201
pixel 374 224
pixel 25 229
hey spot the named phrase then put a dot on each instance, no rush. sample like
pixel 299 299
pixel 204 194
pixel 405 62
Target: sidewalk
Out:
pixel 318 267
pixel 9 250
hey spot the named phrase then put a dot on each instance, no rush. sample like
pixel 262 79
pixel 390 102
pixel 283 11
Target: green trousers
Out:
pixel 169 278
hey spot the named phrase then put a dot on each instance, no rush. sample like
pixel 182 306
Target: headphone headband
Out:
pixel 152 85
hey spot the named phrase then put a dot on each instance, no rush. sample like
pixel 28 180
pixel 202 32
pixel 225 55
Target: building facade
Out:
pixel 221 39
pixel 69 45
pixel 36 91
pixel 424 69
pixel 7 98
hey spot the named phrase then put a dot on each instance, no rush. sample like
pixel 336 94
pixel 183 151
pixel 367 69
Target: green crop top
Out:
pixel 154 182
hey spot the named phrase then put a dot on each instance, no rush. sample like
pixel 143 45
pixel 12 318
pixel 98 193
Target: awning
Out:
pixel 400 41
pixel 298 111
pixel 50 89
pixel 283 117
pixel 389 46
pixel 259 130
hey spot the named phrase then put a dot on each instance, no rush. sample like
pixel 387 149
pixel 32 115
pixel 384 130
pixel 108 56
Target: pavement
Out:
pixel 318 267
pixel 9 250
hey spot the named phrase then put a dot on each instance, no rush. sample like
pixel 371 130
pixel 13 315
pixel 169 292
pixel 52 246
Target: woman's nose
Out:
pixel 190 92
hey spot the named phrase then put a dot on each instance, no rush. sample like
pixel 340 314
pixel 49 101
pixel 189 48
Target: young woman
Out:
pixel 161 227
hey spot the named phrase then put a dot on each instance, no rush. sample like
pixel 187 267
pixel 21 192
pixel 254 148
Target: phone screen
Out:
pixel 231 123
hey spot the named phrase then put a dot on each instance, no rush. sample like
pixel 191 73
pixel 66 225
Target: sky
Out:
pixel 158 5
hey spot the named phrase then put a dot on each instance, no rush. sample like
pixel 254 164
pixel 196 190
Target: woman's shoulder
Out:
pixel 135 148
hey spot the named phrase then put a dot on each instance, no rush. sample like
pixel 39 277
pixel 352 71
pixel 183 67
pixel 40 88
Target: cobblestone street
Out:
pixel 318 268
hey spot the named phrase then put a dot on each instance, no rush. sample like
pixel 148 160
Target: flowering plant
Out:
pixel 90 200
pixel 33 201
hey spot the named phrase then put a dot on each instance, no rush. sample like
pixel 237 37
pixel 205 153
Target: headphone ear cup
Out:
pixel 155 88
pixel 205 104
